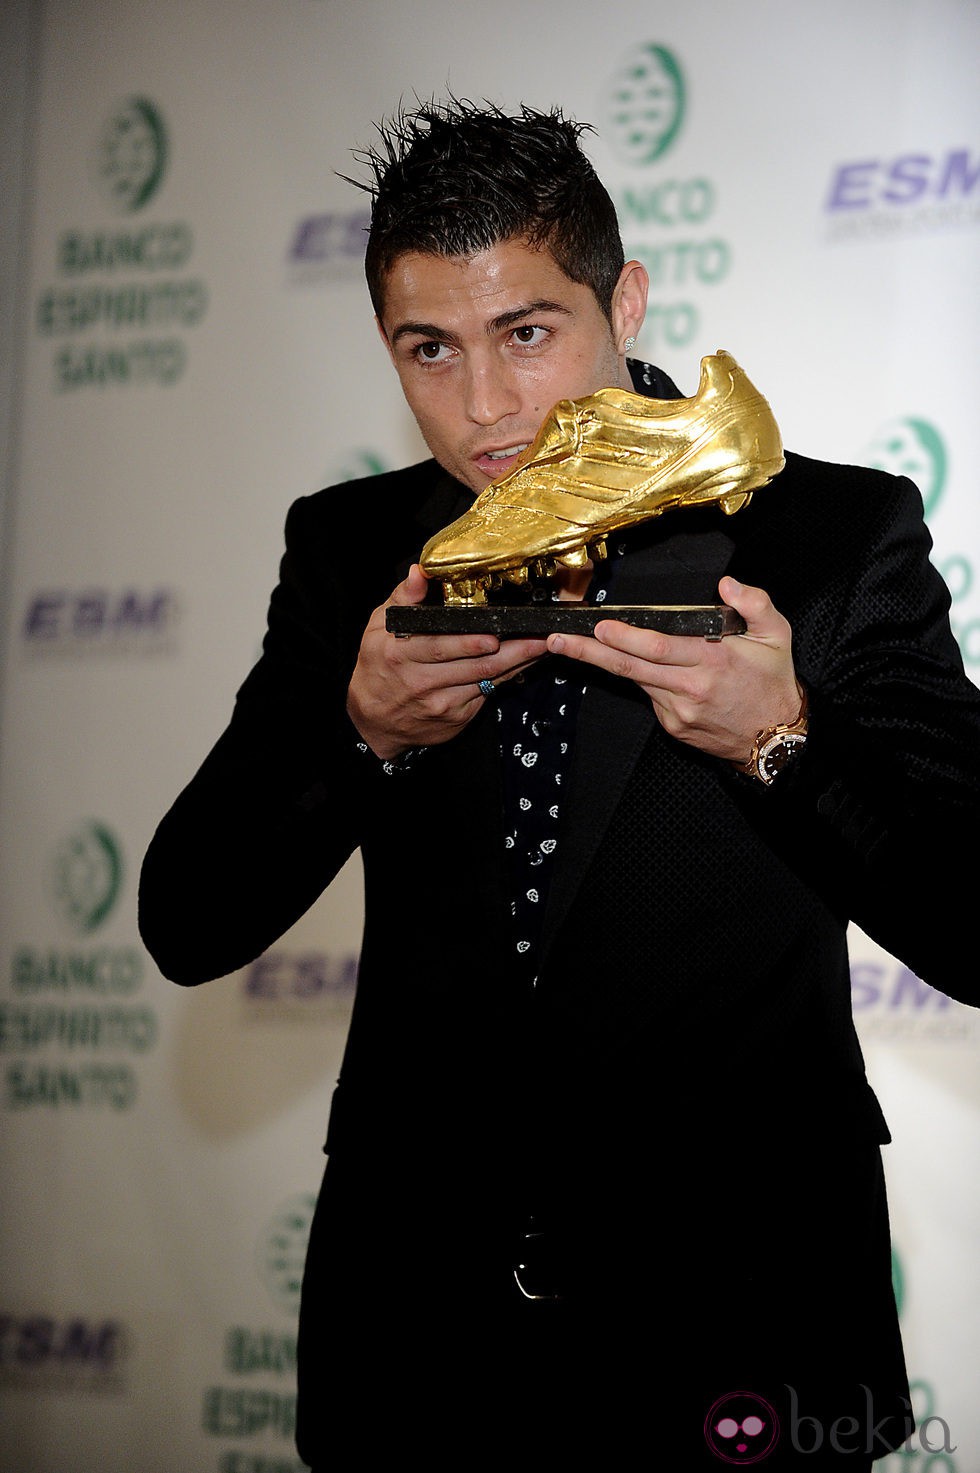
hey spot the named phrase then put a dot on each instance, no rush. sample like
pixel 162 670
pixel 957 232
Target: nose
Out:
pixel 491 393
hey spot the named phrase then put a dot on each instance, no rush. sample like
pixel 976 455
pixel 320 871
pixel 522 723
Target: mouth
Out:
pixel 495 463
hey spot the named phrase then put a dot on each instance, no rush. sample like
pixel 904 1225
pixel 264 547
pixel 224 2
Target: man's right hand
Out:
pixel 422 690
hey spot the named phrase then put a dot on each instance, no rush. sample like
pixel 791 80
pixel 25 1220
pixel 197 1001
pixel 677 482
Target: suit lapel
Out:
pixel 616 718
pixel 446 501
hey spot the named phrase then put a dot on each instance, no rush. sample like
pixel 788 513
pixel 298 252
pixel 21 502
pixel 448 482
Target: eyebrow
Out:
pixel 430 331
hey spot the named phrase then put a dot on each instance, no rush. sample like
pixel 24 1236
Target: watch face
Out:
pixel 777 753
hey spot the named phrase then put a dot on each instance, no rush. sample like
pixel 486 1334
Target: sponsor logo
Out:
pixel 667 222
pixel 88 871
pixel 957 570
pixel 104 971
pixel 914 448
pixel 893 1005
pixel 932 1435
pixel 250 1351
pixel 356 464
pixel 124 299
pixel 645 102
pixel 283 984
pixel 251 1411
pixel 328 247
pixel 238 1411
pixel 236 1461
pixel 914 193
pixel 71 1032
pixel 64 1352
pixel 282 1251
pixel 100 621
pixel 131 155
pixel 898 1281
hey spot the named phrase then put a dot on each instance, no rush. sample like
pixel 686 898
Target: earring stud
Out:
pixel 629 343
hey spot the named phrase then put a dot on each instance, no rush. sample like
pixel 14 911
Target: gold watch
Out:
pixel 774 747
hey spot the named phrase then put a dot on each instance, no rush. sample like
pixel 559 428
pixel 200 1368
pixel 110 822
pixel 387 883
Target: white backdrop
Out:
pixel 193 349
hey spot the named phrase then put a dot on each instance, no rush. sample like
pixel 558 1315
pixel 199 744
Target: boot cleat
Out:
pixel 604 463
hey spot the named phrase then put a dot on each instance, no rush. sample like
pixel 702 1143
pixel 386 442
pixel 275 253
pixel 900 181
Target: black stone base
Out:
pixel 516 621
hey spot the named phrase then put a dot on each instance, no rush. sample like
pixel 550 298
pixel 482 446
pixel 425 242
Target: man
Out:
pixel 602 1156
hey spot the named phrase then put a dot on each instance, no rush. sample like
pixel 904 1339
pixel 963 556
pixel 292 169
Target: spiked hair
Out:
pixel 452 179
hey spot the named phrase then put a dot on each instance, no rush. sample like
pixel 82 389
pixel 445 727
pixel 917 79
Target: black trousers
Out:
pixel 416 1339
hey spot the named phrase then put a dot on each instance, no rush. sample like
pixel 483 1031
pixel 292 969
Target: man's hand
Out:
pixel 714 695
pixel 420 691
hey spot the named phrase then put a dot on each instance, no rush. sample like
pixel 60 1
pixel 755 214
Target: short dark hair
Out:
pixel 451 179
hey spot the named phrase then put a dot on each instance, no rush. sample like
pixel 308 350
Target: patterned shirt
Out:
pixel 537 713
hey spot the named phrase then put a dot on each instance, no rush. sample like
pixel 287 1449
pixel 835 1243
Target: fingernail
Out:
pixel 556 643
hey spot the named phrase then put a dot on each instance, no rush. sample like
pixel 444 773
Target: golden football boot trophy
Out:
pixel 603 464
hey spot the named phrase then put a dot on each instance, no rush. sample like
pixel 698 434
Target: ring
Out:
pixel 487 688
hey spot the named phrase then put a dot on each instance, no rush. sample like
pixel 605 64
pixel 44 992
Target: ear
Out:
pixel 629 303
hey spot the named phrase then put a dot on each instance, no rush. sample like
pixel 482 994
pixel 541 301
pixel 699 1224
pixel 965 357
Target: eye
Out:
pixel 431 352
pixel 528 335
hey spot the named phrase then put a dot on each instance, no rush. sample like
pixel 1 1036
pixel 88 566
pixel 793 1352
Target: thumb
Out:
pixel 411 590
pixel 762 619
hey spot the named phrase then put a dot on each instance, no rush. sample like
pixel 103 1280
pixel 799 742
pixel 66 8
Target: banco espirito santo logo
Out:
pixel 88 873
pixel 282 1250
pixel 356 464
pixel 131 154
pixel 914 448
pixel 645 102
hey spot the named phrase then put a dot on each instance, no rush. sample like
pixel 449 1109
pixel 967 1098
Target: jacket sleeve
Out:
pixel 881 812
pixel 275 810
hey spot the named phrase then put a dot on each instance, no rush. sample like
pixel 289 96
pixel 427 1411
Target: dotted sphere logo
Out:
pixel 87 876
pixel 645 104
pixel 355 465
pixel 282 1251
pixel 913 448
pixel 131 155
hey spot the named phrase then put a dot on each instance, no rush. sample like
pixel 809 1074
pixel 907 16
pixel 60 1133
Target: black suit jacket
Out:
pixel 688 1062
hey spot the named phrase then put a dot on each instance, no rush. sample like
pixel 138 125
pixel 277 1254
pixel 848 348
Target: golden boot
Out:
pixel 603 463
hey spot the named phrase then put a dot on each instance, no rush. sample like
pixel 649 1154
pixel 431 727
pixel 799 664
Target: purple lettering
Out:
pixel 958 171
pixel 852 186
pixel 865 984
pixel 42 617
pixel 311 239
pixel 910 989
pixel 261 980
pixel 909 178
pixel 90 612
pixel 133 612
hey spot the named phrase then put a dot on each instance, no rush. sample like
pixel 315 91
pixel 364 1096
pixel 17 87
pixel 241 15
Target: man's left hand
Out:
pixel 715 695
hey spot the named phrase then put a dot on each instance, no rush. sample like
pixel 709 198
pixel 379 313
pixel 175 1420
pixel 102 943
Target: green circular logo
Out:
pixel 913 448
pixel 354 465
pixel 645 104
pixel 282 1251
pixel 87 876
pixel 898 1282
pixel 131 155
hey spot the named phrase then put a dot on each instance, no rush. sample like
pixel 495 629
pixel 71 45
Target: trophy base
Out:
pixel 520 621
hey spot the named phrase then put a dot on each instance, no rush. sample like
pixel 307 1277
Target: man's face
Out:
pixel 484 346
